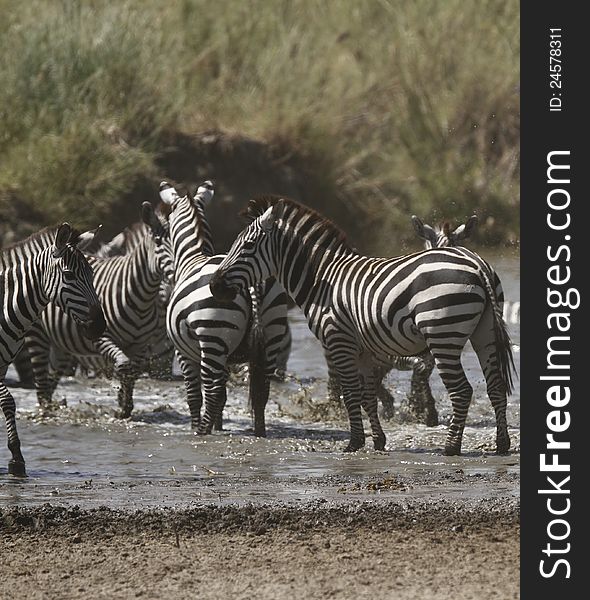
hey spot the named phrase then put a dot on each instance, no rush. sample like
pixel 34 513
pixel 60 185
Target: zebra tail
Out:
pixel 257 367
pixel 503 343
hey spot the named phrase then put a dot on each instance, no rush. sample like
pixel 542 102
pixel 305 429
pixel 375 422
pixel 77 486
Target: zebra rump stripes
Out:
pixel 209 335
pixel 367 310
pixel 46 267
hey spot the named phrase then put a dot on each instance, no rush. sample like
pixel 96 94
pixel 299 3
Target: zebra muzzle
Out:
pixel 221 290
pixel 92 327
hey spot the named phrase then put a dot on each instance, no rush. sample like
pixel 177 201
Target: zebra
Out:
pixel 128 287
pixel 161 350
pixel 45 269
pixel 420 399
pixel 209 335
pixel 366 310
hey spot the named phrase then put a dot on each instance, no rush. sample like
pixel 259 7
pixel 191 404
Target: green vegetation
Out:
pixel 388 107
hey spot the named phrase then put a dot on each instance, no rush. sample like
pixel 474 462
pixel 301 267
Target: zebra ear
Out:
pixel 148 216
pixel 418 226
pixel 272 215
pixel 85 239
pixel 204 193
pixel 62 237
pixel 168 194
pixel 424 232
pixel 464 231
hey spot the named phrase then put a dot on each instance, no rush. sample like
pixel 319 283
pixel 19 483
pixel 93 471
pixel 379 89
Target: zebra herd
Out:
pixel 159 286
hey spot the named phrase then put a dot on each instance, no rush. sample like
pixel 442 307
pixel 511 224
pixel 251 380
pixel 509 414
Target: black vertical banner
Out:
pixel 555 268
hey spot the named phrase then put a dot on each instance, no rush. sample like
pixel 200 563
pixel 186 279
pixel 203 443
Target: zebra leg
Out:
pixel 108 349
pixel 346 366
pixel 218 423
pixel 484 343
pixel 191 372
pixel 369 403
pixel 125 370
pixel 16 465
pixel 334 387
pixel 38 346
pixel 259 382
pixel 383 394
pixel 214 393
pixel 420 397
pixel 448 363
pixel 24 368
pixel 125 396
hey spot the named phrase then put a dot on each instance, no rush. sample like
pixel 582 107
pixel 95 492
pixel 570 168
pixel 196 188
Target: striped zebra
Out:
pixel 209 335
pixel 128 287
pixel 45 269
pixel 367 310
pixel 161 350
pixel 420 399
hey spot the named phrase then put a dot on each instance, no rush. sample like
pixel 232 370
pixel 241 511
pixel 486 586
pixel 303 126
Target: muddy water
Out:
pixel 84 455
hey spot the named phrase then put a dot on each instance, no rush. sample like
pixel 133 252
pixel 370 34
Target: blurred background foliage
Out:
pixel 368 111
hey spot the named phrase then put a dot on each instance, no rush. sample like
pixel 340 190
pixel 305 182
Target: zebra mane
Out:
pixel 34 243
pixel 47 234
pixel 257 206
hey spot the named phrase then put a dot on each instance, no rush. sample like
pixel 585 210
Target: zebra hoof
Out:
pixel 354 444
pixel 503 446
pixel 453 450
pixel 17 468
pixel 379 442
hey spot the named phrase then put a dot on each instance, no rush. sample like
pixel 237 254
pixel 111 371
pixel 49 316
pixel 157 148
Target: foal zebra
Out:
pixel 367 310
pixel 46 267
pixel 128 287
pixel 207 334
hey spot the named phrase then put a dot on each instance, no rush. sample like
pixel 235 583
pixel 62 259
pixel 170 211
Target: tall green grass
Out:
pixel 399 107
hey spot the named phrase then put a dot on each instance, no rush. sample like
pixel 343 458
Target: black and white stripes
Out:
pixel 209 334
pixel 47 267
pixel 128 287
pixel 366 310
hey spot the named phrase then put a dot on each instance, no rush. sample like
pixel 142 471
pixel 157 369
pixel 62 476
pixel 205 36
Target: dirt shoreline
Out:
pixel 368 549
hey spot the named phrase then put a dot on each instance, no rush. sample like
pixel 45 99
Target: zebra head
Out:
pixel 68 282
pixel 441 237
pixel 250 259
pixel 160 233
